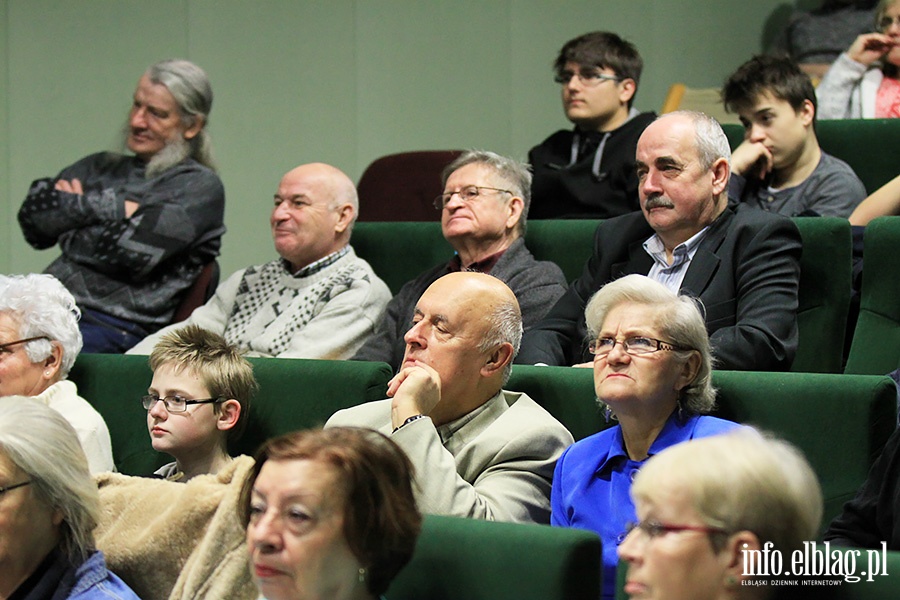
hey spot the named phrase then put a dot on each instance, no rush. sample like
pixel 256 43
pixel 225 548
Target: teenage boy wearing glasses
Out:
pixel 589 172
pixel 198 400
pixel 484 208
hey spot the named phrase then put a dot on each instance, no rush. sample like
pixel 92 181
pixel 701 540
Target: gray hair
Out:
pixel 741 481
pixel 43 307
pixel 504 325
pixel 680 321
pixel 711 141
pixel 515 175
pixel 45 446
pixel 190 87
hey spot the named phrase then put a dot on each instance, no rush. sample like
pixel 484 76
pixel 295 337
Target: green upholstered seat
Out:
pixel 867 145
pixel 882 587
pixel 840 422
pixel 567 242
pixel 824 297
pixel 293 394
pixel 875 348
pixel 399 252
pixel 468 559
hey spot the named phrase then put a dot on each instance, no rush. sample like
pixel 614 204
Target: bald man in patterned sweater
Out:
pixel 318 300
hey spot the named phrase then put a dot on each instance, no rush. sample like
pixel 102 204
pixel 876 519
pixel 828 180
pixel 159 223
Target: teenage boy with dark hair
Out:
pixel 779 167
pixel 589 172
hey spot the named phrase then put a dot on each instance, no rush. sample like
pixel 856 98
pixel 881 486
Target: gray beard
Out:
pixel 172 153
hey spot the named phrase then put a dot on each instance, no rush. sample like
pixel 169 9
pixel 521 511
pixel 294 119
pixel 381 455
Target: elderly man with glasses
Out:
pixel 588 172
pixel 483 213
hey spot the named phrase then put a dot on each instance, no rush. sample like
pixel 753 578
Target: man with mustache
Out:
pixel 135 230
pixel 318 299
pixel 743 264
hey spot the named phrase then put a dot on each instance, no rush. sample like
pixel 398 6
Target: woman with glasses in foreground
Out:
pixel 49 507
pixel 702 505
pixel 652 368
pixel 39 342
pixel 330 515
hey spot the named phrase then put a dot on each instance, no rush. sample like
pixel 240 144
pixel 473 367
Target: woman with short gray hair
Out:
pixel 652 367
pixel 39 342
pixel 49 507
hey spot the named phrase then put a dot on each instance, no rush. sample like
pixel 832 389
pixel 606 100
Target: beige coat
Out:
pixel 177 541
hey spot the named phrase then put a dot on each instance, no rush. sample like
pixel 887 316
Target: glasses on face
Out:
pixel 586 78
pixel 885 22
pixel 175 404
pixel 635 345
pixel 8 488
pixel 467 194
pixel 654 529
pixel 7 345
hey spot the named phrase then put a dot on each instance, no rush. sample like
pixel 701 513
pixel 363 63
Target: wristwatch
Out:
pixel 407 422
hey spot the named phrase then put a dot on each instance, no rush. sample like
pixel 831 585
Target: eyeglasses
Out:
pixel 636 346
pixel 655 529
pixel 587 78
pixel 175 404
pixel 885 23
pixel 467 194
pixel 3 490
pixel 26 340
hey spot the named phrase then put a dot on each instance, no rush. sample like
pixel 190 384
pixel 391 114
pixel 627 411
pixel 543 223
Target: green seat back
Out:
pixel 399 252
pixel 114 384
pixel 293 394
pixel 858 411
pixel 483 560
pixel 301 393
pixel 875 348
pixel 864 144
pixel 824 293
pixel 567 242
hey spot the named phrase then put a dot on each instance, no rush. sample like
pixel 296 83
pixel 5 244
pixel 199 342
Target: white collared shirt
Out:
pixel 671 275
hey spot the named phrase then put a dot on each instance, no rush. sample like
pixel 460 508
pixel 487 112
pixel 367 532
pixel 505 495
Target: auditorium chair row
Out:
pixel 839 421
pixel 399 251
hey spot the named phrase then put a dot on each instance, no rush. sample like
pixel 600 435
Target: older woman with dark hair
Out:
pixel 702 505
pixel 652 368
pixel 49 507
pixel 39 342
pixel 330 515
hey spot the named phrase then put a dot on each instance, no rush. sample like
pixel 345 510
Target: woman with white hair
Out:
pixel 652 368
pixel 702 505
pixel 39 342
pixel 49 507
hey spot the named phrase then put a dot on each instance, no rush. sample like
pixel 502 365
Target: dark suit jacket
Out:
pixel 746 272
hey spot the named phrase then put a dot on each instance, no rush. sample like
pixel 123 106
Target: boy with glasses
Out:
pixel 198 399
pixel 589 172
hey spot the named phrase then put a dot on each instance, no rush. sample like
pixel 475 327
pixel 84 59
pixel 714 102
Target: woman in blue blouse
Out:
pixel 652 367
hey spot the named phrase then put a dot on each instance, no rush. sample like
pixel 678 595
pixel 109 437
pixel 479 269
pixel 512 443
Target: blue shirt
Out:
pixel 592 483
pixel 94 582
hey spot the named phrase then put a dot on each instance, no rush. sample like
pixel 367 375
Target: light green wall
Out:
pixel 340 81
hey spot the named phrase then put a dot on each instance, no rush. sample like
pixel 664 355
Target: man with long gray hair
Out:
pixel 135 230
